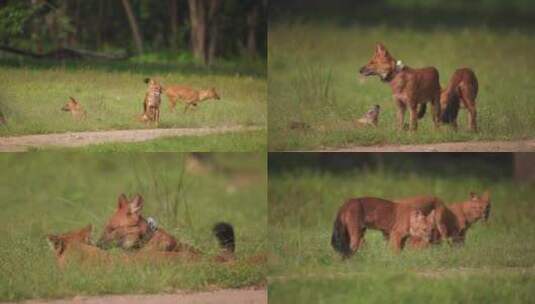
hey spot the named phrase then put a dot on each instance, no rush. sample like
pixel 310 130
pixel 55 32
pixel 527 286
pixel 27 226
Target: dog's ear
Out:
pixel 486 196
pixel 473 196
pixel 136 204
pixel 56 243
pixel 146 80
pixel 73 100
pixel 122 201
pixel 380 49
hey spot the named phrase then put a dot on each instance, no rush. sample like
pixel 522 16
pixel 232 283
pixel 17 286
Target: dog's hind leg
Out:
pixel 413 117
pixel 471 107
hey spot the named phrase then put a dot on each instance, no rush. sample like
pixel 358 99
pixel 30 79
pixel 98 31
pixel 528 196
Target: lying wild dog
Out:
pixel 189 96
pixel 128 229
pixel 76 246
pixel 371 117
pixel 358 214
pixel 76 109
pixel 455 219
pixel 410 87
pixel 463 88
pixel 152 101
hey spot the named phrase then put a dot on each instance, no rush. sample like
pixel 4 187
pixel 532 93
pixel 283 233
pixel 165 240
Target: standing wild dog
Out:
pixel 358 214
pixel 454 219
pixel 128 229
pixel 189 96
pixel 76 109
pixel 463 88
pixel 152 101
pixel 411 88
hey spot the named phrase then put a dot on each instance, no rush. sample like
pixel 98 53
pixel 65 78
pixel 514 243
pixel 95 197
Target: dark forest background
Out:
pixel 419 13
pixel 184 30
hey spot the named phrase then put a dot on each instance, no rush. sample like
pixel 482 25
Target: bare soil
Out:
pixel 77 139
pixel 473 146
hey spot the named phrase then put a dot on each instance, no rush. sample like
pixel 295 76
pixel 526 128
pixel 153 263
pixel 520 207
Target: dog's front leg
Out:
pixel 400 113
pixel 395 242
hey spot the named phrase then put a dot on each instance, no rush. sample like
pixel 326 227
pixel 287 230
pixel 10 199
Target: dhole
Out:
pixel 358 214
pixel 189 96
pixel 76 109
pixel 75 246
pixel 128 229
pixel 455 219
pixel 463 88
pixel 152 101
pixel 410 87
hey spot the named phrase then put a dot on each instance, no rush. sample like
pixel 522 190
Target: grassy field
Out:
pixel 313 68
pixel 497 263
pixel 33 93
pixel 40 197
pixel 238 141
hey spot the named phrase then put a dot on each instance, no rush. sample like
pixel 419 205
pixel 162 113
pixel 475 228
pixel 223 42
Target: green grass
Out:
pixel 237 141
pixel 41 197
pixel 496 264
pixel 112 94
pixel 313 68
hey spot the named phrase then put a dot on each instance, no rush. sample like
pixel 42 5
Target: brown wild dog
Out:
pixel 128 229
pixel 461 91
pixel 411 88
pixel 455 219
pixel 421 227
pixel 152 101
pixel 76 109
pixel 358 214
pixel 76 246
pixel 189 96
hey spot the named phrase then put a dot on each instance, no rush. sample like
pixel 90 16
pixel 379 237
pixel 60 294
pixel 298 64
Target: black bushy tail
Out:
pixel 340 238
pixel 421 110
pixel 224 232
pixel 449 114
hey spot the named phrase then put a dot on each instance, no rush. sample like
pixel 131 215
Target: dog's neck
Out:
pixel 398 68
pixel 150 227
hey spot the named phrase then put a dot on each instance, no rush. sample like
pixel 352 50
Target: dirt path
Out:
pixel 225 296
pixel 77 139
pixel 474 146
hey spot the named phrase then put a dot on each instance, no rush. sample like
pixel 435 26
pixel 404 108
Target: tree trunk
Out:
pixel 173 16
pixel 213 19
pixel 252 24
pixel 133 26
pixel 198 28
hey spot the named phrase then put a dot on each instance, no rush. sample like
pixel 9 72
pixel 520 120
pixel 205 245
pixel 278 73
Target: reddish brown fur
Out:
pixel 152 101
pixel 461 90
pixel 455 219
pixel 76 109
pixel 359 214
pixel 76 246
pixel 410 87
pixel 127 229
pixel 189 96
